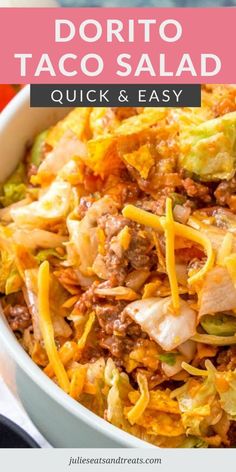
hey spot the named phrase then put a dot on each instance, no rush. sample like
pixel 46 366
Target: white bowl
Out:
pixel 63 421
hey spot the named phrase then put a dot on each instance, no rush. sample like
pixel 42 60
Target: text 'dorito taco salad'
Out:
pixel 118 265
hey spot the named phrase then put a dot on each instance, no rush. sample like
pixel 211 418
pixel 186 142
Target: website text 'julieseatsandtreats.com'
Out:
pixel 117 235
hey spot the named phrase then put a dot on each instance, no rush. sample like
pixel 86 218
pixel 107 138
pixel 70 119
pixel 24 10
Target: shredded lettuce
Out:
pixel 209 149
pixel 53 205
pixel 14 189
pixel 169 358
pixel 45 254
pixel 226 386
pixel 13 282
pixel 117 395
pixel 36 150
pixel 198 404
pixel 10 280
pixel 6 266
pixel 201 404
pixel 194 442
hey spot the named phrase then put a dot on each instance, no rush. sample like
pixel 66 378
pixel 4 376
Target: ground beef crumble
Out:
pixel 118 333
pixel 226 359
pixel 140 254
pixel 87 300
pixel 84 205
pixel 18 317
pixel 196 190
pixel 108 316
pixel 225 193
pixel 112 225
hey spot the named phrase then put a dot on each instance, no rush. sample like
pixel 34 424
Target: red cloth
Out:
pixel 7 92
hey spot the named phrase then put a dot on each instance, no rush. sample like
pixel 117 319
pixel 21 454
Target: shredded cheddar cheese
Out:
pixel 138 409
pixel 142 217
pixel 170 255
pixel 124 238
pixel 70 302
pixel 225 249
pixel 202 240
pixel 78 381
pixel 150 289
pixel 230 264
pixel 222 384
pixel 101 241
pixel 158 223
pixel 46 327
pixel 69 351
pixel 82 341
pixel 90 388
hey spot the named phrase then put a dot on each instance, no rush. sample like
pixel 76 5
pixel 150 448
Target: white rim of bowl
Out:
pixel 32 370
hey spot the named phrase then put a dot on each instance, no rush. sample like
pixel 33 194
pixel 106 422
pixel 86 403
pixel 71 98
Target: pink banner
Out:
pixel 117 45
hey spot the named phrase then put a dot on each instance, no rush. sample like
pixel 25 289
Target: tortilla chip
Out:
pixel 142 160
pixel 136 124
pixel 159 423
pixel 77 121
pixel 102 120
pixel 159 400
pixel 102 156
